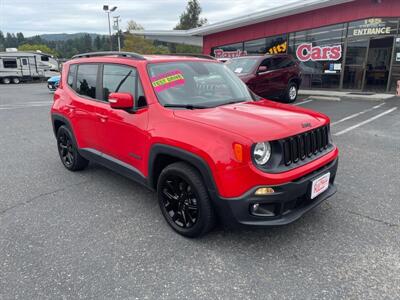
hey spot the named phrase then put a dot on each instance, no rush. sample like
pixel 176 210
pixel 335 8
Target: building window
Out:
pixel 270 45
pixel 396 65
pixel 255 47
pixel 320 52
pixel 276 44
pixel 9 63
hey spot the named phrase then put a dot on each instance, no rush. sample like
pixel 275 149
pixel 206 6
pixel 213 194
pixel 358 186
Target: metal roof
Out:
pixel 249 19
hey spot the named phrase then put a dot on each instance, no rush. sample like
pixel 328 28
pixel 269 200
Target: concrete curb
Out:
pixel 337 96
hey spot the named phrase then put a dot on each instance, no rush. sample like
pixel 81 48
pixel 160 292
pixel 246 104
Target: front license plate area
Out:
pixel 320 185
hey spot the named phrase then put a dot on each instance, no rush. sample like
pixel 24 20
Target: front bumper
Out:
pixel 289 201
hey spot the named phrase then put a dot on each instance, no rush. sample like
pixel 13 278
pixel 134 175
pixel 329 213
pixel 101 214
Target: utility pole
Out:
pixel 107 9
pixel 116 27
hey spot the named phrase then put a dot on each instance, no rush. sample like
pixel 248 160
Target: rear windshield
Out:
pixel 201 83
pixel 242 65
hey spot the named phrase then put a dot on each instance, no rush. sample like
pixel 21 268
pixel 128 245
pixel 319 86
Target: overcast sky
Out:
pixel 68 16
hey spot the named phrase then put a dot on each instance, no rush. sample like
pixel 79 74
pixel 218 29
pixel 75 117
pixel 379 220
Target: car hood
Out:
pixel 259 121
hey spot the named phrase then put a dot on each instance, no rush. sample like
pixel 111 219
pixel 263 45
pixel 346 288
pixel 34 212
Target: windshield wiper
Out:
pixel 187 106
pixel 231 102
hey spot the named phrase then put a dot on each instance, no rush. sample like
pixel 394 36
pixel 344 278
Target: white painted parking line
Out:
pixel 18 106
pixel 303 102
pixel 357 114
pixel 366 121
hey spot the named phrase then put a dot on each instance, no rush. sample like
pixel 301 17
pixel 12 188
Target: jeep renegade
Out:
pixel 190 129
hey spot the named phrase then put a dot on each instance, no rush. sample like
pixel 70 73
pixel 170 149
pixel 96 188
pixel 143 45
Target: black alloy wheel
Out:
pixel 180 202
pixel 68 151
pixel 184 200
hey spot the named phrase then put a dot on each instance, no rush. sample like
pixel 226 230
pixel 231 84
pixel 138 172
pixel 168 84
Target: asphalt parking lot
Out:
pixel 95 234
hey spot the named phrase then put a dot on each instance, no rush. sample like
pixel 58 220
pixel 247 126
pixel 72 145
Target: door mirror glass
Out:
pixel 262 69
pixel 121 100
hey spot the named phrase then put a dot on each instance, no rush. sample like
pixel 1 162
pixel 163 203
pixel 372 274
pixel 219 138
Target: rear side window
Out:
pixel 71 75
pixel 122 79
pixel 24 62
pixel 276 63
pixel 282 62
pixel 86 80
pixel 9 63
pixel 44 58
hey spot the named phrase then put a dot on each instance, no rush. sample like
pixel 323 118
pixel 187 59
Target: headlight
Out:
pixel 262 153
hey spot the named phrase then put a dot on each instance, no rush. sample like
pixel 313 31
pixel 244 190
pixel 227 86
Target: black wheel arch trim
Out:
pixel 58 117
pixel 182 155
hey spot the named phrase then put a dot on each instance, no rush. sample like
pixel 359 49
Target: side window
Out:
pixel 44 58
pixel 282 62
pixel 71 75
pixel 9 63
pixel 122 79
pixel 266 63
pixel 86 80
pixel 24 62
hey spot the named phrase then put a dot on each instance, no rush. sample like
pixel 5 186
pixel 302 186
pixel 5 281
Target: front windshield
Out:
pixel 241 65
pixel 196 83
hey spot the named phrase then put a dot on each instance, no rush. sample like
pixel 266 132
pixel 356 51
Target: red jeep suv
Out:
pixel 269 75
pixel 189 128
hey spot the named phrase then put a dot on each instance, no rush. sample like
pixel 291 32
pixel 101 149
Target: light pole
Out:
pixel 107 9
pixel 116 27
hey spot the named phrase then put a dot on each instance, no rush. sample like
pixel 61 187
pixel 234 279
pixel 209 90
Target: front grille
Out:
pixel 305 145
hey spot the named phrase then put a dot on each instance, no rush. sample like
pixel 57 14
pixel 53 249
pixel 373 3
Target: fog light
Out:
pixel 264 191
pixel 262 210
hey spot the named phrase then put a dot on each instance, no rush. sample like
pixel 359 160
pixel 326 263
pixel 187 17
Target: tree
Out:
pixel 20 38
pixel 97 45
pixel 181 48
pixel 11 41
pixel 139 44
pixel 36 47
pixel 190 18
pixel 86 43
pixel 2 41
pixel 132 25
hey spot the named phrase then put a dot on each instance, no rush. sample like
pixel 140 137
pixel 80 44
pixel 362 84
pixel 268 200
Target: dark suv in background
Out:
pixel 270 75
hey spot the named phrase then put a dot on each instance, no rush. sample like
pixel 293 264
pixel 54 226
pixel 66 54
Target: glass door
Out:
pixel 354 70
pixel 378 64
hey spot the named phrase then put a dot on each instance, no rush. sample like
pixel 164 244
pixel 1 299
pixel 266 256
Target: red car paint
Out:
pixel 209 134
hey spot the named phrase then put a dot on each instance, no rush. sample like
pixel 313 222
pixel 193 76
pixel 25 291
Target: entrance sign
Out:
pixel 219 53
pixel 372 27
pixel 307 52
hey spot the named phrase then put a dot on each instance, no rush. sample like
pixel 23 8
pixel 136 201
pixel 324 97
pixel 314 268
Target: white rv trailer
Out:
pixel 17 66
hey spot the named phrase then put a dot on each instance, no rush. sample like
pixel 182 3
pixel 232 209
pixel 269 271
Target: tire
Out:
pixel 68 150
pixel 184 200
pixel 6 80
pixel 16 80
pixel 291 93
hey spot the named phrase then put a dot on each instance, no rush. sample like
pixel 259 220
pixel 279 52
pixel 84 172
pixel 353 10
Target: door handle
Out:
pixel 70 107
pixel 102 118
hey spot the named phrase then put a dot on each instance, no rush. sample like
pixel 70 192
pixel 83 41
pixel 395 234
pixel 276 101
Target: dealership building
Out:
pixel 340 44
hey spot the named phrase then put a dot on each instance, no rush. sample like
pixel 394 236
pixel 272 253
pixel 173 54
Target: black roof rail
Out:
pixel 191 55
pixel 110 53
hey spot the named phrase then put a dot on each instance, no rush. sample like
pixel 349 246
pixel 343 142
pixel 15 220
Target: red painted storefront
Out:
pixel 360 9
